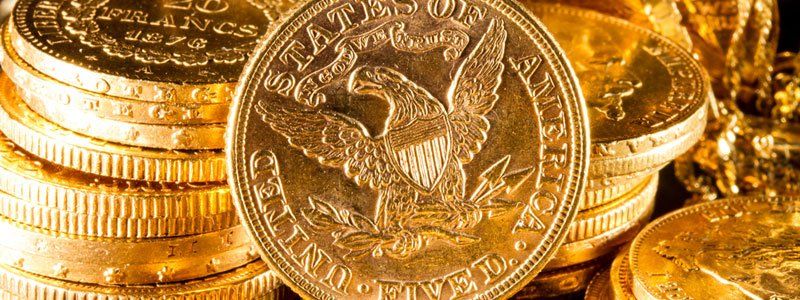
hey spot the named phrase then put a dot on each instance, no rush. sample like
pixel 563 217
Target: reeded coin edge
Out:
pixel 510 284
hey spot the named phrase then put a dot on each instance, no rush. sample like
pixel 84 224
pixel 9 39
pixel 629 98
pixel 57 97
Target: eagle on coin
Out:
pixel 416 165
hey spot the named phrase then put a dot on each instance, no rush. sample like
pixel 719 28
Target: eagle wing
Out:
pixel 473 92
pixel 335 140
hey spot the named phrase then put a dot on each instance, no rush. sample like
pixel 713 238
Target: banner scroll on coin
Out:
pixel 376 140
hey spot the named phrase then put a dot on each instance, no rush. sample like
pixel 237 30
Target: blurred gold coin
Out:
pixel 738 248
pixel 430 142
pixel 58 199
pixel 564 281
pixel 646 95
pixel 66 148
pixel 123 261
pixel 253 281
pixel 600 287
pixel 621 276
pixel 158 51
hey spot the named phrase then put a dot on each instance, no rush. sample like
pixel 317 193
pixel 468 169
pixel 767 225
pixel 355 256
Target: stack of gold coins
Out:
pixel 738 248
pixel 647 105
pixel 113 176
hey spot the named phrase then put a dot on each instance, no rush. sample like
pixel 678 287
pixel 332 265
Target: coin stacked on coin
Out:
pixel 113 176
pixel 737 248
pixel 647 105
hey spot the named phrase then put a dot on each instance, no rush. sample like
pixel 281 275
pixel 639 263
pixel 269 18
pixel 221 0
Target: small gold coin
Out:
pixel 123 261
pixel 63 147
pixel 58 199
pixel 52 93
pixel 564 281
pixel 586 250
pixel 599 220
pixel 739 248
pixel 646 95
pixel 621 276
pixel 253 281
pixel 159 51
pixel 600 287
pixel 428 144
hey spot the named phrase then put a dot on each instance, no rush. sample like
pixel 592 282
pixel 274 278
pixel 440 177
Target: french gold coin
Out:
pixel 58 199
pixel 123 261
pixel 158 51
pixel 621 276
pixel 253 281
pixel 599 194
pixel 599 220
pixel 565 281
pixel 55 144
pixel 586 250
pixel 52 93
pixel 646 95
pixel 600 287
pixel 739 248
pixel 429 143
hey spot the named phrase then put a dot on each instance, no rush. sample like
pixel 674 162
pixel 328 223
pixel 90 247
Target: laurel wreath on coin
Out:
pixel 80 21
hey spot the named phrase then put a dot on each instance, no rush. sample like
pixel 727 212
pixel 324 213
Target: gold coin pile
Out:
pixel 112 175
pixel 647 101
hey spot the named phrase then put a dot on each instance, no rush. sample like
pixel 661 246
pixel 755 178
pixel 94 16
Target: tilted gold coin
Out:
pixel 600 287
pixel 52 93
pixel 621 276
pixel 739 248
pixel 63 147
pixel 159 51
pixel 564 281
pixel 646 95
pixel 428 147
pixel 585 250
pixel 599 220
pixel 58 199
pixel 123 261
pixel 253 281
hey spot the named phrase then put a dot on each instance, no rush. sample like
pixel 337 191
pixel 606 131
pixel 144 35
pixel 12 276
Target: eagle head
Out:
pixel 375 81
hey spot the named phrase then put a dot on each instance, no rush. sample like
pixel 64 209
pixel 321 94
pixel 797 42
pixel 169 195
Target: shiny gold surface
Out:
pixel 62 200
pixel 254 281
pixel 646 95
pixel 123 261
pixel 729 249
pixel 368 157
pixel 159 51
pixel 52 93
pixel 625 209
pixel 57 145
pixel 585 250
pixel 559 282
pixel 600 195
pixel 621 276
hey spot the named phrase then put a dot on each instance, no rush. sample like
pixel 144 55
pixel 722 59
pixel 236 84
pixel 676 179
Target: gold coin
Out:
pixel 586 250
pixel 599 220
pixel 63 147
pixel 54 198
pixel 739 248
pixel 428 143
pixel 646 95
pixel 52 93
pixel 599 195
pixel 600 287
pixel 123 261
pixel 253 281
pixel 621 276
pixel 559 282
pixel 159 51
